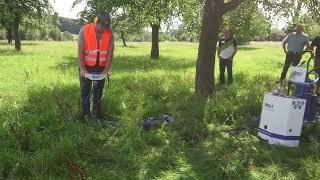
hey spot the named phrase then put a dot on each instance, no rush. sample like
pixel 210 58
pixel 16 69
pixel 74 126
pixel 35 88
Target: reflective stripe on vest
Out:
pixel 94 59
pixel 91 46
pixel 96 52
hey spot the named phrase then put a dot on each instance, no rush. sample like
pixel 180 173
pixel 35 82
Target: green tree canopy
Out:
pixel 15 12
pixel 134 15
pixel 247 21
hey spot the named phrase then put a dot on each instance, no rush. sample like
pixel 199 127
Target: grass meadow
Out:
pixel 41 136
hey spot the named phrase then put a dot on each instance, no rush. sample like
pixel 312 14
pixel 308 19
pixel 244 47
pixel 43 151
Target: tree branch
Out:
pixel 232 4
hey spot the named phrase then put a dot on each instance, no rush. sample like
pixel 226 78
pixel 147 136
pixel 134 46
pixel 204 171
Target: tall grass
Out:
pixel 41 136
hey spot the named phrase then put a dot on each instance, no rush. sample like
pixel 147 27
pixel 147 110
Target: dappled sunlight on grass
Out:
pixel 41 136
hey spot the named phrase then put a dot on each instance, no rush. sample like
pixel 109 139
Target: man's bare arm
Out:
pixel 284 47
pixel 284 43
pixel 110 56
pixel 81 52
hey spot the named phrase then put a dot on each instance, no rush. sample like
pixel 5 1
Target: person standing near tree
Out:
pixel 95 54
pixel 316 44
pixel 227 49
pixel 293 46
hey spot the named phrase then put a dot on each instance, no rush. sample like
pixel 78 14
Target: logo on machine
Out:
pixel 298 104
pixel 296 73
pixel 269 107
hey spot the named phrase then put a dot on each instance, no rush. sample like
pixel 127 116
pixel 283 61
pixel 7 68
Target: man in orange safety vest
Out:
pixel 95 54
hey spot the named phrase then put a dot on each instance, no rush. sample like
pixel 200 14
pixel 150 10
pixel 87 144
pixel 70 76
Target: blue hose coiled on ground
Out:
pixel 148 123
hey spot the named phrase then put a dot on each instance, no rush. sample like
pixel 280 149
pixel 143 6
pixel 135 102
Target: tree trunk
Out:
pixel 9 35
pixel 211 22
pixel 155 41
pixel 123 39
pixel 16 27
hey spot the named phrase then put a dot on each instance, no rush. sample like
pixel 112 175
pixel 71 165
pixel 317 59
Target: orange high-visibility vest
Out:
pixel 96 53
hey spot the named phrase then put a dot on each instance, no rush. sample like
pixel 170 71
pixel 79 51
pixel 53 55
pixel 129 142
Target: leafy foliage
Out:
pixel 70 25
pixel 191 14
pixel 41 136
pixel 155 12
pixel 297 11
pixel 247 22
pixel 16 12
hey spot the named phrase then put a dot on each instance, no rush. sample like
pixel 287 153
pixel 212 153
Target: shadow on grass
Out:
pixel 29 43
pixel 239 154
pixel 130 46
pixel 5 52
pixel 130 64
pixel 51 114
pixel 68 62
pixel 245 48
pixel 13 52
pixel 8 49
pixel 61 146
pixel 6 43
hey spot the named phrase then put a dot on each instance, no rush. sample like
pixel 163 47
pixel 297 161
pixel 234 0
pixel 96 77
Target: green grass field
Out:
pixel 41 137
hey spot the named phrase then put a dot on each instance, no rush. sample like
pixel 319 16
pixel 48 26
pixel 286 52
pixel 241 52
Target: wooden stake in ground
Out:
pixel 211 22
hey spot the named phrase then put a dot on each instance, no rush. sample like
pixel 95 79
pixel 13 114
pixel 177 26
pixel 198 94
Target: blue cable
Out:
pixel 148 123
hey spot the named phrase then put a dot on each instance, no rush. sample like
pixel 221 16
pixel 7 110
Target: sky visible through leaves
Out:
pixel 64 8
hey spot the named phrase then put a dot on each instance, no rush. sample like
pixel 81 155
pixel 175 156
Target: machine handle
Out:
pixel 314 81
pixel 307 51
pixel 307 83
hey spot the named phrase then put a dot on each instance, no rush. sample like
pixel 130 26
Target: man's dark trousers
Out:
pixel 223 65
pixel 317 70
pixel 97 90
pixel 317 64
pixel 291 59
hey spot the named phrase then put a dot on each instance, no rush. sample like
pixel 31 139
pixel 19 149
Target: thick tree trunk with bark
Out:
pixel 123 39
pixel 9 35
pixel 155 41
pixel 211 22
pixel 16 28
pixel 212 18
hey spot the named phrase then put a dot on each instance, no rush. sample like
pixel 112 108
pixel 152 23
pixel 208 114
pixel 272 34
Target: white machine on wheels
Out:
pixel 282 117
pixel 281 120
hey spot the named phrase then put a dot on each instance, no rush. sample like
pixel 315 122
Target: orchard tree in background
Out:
pixel 191 12
pixel 314 7
pixel 297 11
pixel 293 9
pixel 213 12
pixel 135 14
pixel 248 22
pixel 124 24
pixel 154 13
pixel 17 11
pixel 5 21
pixel 124 20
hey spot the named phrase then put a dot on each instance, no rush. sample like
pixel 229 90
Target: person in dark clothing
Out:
pixel 227 49
pixel 316 44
